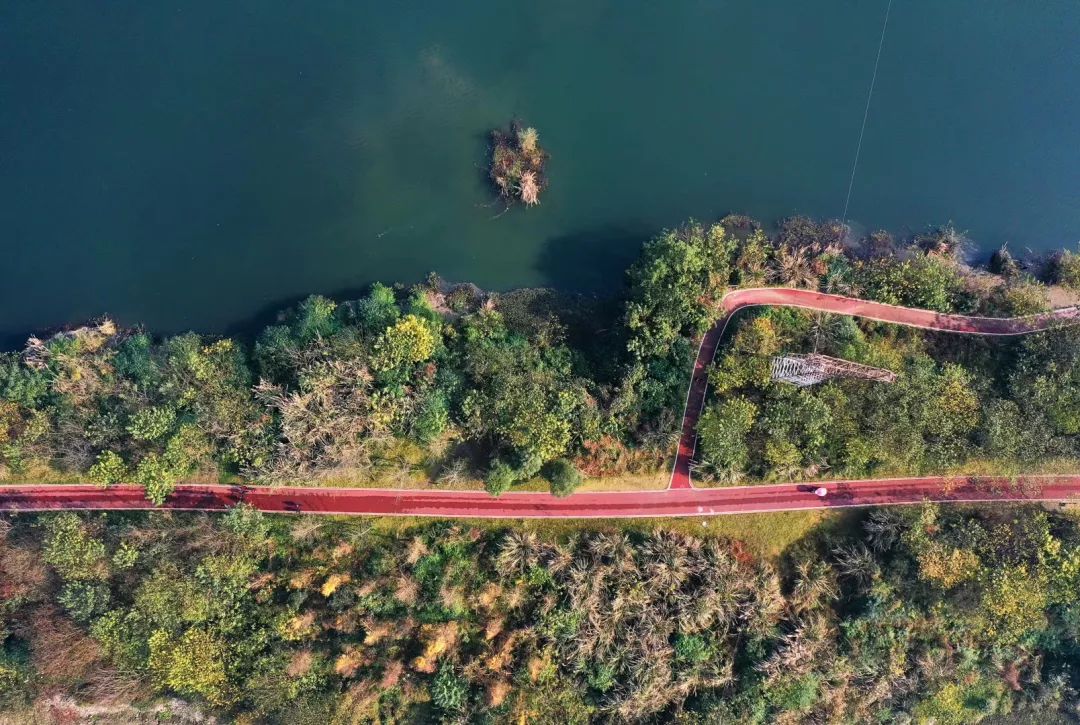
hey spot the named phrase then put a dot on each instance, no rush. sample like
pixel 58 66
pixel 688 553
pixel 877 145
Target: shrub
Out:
pixel 1020 298
pixel 109 468
pixel 433 418
pixel 562 476
pixel 449 691
pixel 13 680
pixel 1067 269
pixel 1002 262
pixel 72 551
pixel 517 164
pixel 499 479
pixel 150 424
pixel 85 601
pixel 691 649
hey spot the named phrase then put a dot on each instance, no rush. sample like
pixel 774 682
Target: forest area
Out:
pixel 446 385
pixel 921 614
pixel 915 614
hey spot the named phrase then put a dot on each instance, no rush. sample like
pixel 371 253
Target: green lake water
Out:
pixel 200 164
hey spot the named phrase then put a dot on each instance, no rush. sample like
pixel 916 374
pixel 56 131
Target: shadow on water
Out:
pixel 12 341
pixel 592 260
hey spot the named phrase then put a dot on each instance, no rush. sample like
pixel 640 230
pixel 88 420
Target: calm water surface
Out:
pixel 198 164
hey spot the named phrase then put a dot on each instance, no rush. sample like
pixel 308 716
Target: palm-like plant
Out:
pixel 794 267
pixel 519 552
pixel 815 585
pixel 856 562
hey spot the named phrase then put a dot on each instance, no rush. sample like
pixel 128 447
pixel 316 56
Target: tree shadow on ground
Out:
pixel 839 526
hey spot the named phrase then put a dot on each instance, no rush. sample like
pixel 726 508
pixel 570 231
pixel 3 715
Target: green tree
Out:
pixel 563 476
pixel 378 311
pixel 449 691
pixel 109 468
pixel 722 436
pixel 73 552
pixel 85 601
pixel 676 286
pixel 410 340
pixel 499 479
pixel 194 664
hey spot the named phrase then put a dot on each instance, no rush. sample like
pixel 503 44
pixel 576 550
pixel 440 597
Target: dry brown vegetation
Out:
pixel 517 164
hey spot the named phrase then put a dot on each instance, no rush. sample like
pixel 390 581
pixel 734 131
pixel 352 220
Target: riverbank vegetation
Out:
pixel 517 164
pixel 440 385
pixel 920 614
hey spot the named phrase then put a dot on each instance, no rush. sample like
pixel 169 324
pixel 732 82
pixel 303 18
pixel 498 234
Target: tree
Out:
pixel 676 286
pixel 449 691
pixel 378 311
pixel 562 475
pixel 921 280
pixel 722 431
pixel 1066 269
pixel 109 468
pixel 279 346
pixel 499 479
pixel 84 601
pixel 151 424
pixel 72 551
pixel 522 397
pixel 410 340
pixel 194 664
pixel 1045 380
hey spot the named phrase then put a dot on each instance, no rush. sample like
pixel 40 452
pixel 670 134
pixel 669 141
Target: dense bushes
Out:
pixel 1008 402
pixel 437 384
pixel 951 614
pixel 338 387
pixel 1066 269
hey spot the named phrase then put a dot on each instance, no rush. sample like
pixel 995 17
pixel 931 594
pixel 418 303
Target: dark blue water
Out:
pixel 198 164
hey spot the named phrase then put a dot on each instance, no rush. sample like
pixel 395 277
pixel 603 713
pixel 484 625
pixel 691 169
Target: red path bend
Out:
pixel 836 304
pixel 680 499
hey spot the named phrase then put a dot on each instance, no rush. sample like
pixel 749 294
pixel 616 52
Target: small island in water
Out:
pixel 517 163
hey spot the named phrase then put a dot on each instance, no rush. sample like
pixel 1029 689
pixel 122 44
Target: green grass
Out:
pixel 765 536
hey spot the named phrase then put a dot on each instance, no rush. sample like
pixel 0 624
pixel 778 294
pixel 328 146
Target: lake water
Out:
pixel 199 164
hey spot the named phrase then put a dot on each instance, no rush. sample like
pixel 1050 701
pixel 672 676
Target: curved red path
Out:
pixel 836 304
pixel 680 499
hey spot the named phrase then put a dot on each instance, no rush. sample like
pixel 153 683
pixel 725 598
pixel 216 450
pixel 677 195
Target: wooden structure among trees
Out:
pixel 806 370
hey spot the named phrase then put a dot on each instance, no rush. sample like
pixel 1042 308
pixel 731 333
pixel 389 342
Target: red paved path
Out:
pixel 680 499
pixel 477 504
pixel 820 302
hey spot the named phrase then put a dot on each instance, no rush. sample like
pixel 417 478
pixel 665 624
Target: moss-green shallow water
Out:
pixel 199 164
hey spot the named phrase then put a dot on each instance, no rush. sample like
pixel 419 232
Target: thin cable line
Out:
pixel 866 112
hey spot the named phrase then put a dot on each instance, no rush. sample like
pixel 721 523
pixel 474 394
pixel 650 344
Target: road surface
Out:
pixel 679 499
pixel 477 504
